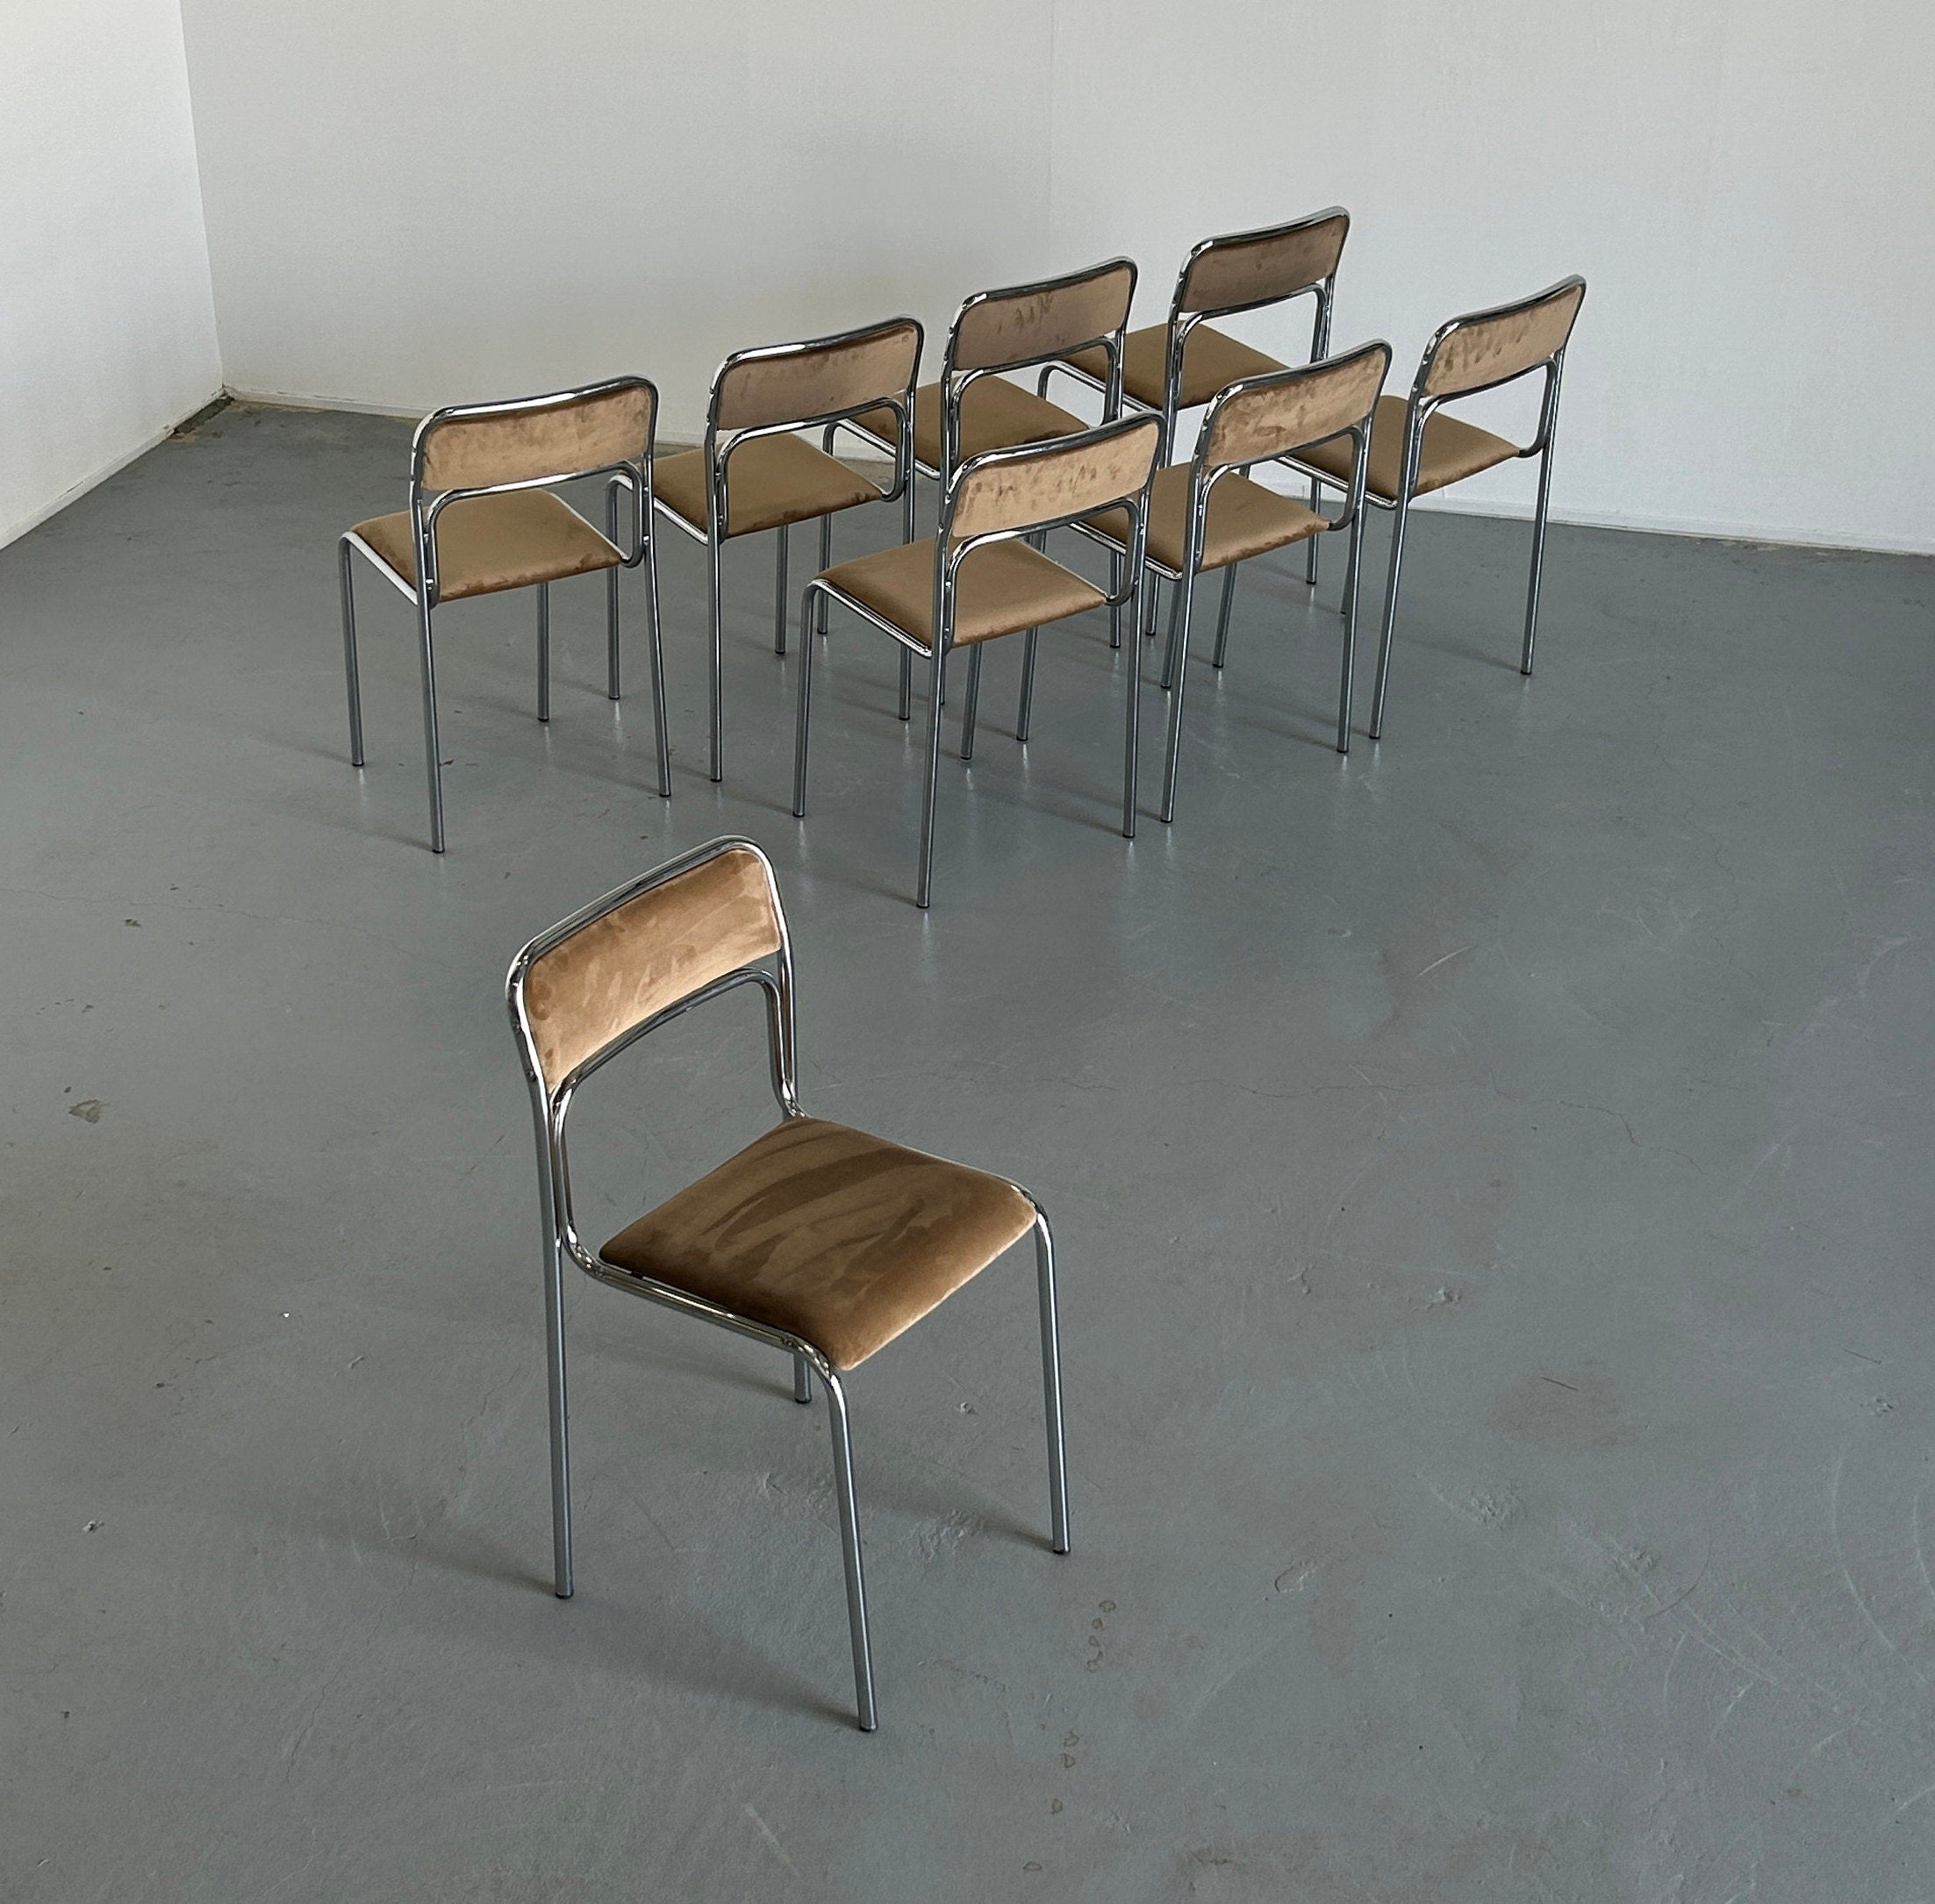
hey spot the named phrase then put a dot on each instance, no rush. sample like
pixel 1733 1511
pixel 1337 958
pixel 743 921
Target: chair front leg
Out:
pixel 556 1387
pixel 1399 517
pixel 783 535
pixel 1184 589
pixel 611 594
pixel 1024 713
pixel 1316 508
pixel 1132 670
pixel 1538 555
pixel 1051 1381
pixel 804 717
pixel 802 1381
pixel 715 637
pixel 849 1551
pixel 544 651
pixel 924 886
pixel 1222 614
pixel 345 556
pixel 826 563
pixel 432 758
pixel 1352 570
pixel 973 702
pixel 655 656
pixel 906 682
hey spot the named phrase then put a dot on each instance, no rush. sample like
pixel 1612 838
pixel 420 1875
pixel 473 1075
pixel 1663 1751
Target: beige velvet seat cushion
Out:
pixel 770 481
pixel 841 1239
pixel 486 543
pixel 1210 362
pixel 1454 450
pixel 995 414
pixel 1001 588
pixel 1243 519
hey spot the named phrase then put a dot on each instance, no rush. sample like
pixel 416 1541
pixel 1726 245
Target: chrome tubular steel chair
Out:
pixel 1208 514
pixel 754 473
pixel 493 525
pixel 974 407
pixel 1414 450
pixel 820 1241
pixel 979 580
pixel 1181 365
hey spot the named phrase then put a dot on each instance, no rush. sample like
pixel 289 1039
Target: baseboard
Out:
pixel 112 466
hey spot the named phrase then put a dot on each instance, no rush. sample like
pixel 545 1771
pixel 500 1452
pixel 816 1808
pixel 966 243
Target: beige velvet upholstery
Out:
pixel 1243 519
pixel 1488 349
pixel 522 444
pixel 839 1238
pixel 769 480
pixel 1065 478
pixel 1453 449
pixel 999 589
pixel 1211 362
pixel 1296 407
pixel 646 956
pixel 485 543
pixel 995 414
pixel 1029 326
pixel 861 368
pixel 1263 267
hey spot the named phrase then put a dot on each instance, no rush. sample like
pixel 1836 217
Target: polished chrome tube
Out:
pixel 783 535
pixel 1051 1382
pixel 611 591
pixel 555 1376
pixel 656 658
pixel 973 702
pixel 925 884
pixel 544 651
pixel 803 718
pixel 802 1380
pixel 1352 568
pixel 849 1551
pixel 430 744
pixel 1024 712
pixel 715 638
pixel 1538 556
pixel 1414 438
pixel 351 679
pixel 1222 611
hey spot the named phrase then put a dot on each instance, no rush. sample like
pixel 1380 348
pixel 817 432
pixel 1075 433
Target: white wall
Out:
pixel 412 202
pixel 107 325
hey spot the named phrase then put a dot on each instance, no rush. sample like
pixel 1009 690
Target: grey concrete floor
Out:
pixel 1492 1185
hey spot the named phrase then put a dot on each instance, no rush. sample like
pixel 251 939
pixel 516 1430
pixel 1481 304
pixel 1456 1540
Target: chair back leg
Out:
pixel 849 1551
pixel 781 536
pixel 1051 1382
pixel 1347 687
pixel 1181 593
pixel 1024 712
pixel 716 660
pixel 924 884
pixel 1399 518
pixel 611 594
pixel 1222 612
pixel 1538 555
pixel 654 655
pixel 345 557
pixel 973 702
pixel 433 761
pixel 1132 670
pixel 544 651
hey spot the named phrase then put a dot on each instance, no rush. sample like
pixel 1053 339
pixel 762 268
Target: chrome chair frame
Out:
pixel 1125 581
pixel 634 476
pixel 715 534
pixel 956 383
pixel 1419 409
pixel 1181 323
pixel 550 1109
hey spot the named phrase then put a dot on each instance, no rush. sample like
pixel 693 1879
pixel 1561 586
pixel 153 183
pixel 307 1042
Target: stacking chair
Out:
pixel 1415 450
pixel 482 519
pixel 818 1240
pixel 754 473
pixel 1208 513
pixel 979 580
pixel 1181 365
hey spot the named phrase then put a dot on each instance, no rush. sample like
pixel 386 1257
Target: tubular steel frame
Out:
pixel 949 557
pixel 550 1107
pixel 633 476
pixel 1419 409
pixel 715 532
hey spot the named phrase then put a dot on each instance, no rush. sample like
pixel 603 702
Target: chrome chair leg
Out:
pixel 924 888
pixel 849 1551
pixel 554 1381
pixel 1169 653
pixel 345 556
pixel 1115 611
pixel 1316 508
pixel 1183 593
pixel 611 595
pixel 783 535
pixel 907 681
pixel 973 702
pixel 433 758
pixel 655 657
pixel 1399 517
pixel 1051 1381
pixel 802 1380
pixel 1539 558
pixel 1025 712
pixel 715 635
pixel 1132 737
pixel 544 651
pixel 826 563
pixel 802 719
pixel 1222 614
pixel 1352 570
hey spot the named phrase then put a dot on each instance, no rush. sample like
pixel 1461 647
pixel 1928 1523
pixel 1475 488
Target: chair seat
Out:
pixel 771 482
pixel 1454 450
pixel 1001 588
pixel 485 543
pixel 1243 519
pixel 995 414
pixel 1210 362
pixel 841 1239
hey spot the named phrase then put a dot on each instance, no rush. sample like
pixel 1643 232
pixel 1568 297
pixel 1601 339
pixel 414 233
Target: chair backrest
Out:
pixel 1026 324
pixel 580 989
pixel 1263 417
pixel 1488 348
pixel 781 384
pixel 537 439
pixel 1248 269
pixel 1011 489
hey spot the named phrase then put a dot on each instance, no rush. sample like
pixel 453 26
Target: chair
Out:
pixel 1181 365
pixel 753 472
pixel 1414 450
pixel 821 1242
pixel 1209 514
pixel 494 525
pixel 979 580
